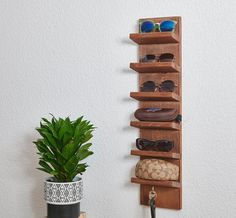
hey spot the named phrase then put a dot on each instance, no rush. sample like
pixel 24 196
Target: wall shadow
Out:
pixel 38 205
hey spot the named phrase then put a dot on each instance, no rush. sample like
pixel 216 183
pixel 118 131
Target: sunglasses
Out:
pixel 159 145
pixel 165 86
pixel 165 57
pixel 148 26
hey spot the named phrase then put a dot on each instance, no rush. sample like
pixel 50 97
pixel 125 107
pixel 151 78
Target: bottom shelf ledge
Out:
pixel 172 184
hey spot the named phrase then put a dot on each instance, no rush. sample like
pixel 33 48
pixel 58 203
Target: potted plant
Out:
pixel 63 145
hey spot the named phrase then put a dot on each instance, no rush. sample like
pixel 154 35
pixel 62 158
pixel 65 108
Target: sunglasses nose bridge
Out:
pixel 167 85
pixel 156 143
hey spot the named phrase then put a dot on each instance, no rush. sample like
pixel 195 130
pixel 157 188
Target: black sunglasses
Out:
pixel 165 57
pixel 159 145
pixel 165 86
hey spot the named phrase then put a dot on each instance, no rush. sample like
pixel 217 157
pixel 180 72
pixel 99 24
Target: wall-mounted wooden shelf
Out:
pixel 154 38
pixel 155 154
pixel 155 67
pixel 155 96
pixel 169 193
pixel 172 184
pixel 155 125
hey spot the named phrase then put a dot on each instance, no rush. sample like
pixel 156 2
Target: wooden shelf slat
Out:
pixel 155 67
pixel 155 154
pixel 155 125
pixel 155 96
pixel 172 184
pixel 154 38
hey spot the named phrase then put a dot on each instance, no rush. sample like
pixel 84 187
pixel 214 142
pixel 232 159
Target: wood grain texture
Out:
pixel 155 154
pixel 169 193
pixel 171 184
pixel 155 125
pixel 166 196
pixel 155 96
pixel 155 67
pixel 154 38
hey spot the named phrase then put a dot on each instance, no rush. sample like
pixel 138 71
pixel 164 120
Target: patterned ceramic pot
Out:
pixel 63 199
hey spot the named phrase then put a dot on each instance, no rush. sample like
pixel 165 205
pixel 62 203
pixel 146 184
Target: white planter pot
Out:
pixel 59 193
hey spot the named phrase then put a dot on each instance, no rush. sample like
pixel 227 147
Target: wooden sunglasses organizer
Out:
pixel 169 193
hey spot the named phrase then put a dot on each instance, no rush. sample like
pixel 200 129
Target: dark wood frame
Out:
pixel 169 193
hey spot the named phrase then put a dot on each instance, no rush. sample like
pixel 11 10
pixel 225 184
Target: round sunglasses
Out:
pixel 165 86
pixel 165 57
pixel 159 145
pixel 148 26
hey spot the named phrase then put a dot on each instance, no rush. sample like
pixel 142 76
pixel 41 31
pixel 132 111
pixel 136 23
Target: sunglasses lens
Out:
pixel 167 86
pixel 139 144
pixel 165 145
pixel 147 26
pixel 148 86
pixel 166 57
pixel 148 58
pixel 167 26
pixel 144 144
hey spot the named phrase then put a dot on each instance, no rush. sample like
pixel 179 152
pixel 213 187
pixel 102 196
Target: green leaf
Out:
pixel 67 137
pixel 84 154
pixel 66 128
pixel 44 170
pixel 40 147
pixel 68 150
pixel 80 169
pixel 50 139
pixel 54 173
pixel 86 146
pixel 71 164
pixel 44 165
pixel 45 120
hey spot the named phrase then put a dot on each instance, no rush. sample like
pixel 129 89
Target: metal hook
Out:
pixel 152 193
pixel 152 202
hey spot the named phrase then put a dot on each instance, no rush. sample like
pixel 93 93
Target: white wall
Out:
pixel 72 58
